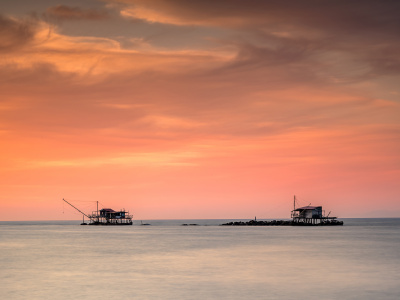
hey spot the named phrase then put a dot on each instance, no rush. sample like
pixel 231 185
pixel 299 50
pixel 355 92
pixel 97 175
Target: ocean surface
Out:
pixel 63 260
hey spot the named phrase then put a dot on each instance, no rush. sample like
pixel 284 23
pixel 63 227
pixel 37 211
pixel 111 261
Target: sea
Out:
pixel 167 260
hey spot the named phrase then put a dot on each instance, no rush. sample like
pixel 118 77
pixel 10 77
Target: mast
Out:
pixel 294 203
pixel 77 209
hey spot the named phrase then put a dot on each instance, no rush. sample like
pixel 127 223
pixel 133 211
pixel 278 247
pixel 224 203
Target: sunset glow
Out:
pixel 199 109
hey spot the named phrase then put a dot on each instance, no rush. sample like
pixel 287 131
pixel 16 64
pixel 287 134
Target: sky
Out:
pixel 209 109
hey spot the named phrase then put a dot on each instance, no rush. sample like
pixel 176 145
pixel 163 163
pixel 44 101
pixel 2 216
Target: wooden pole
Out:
pixel 294 203
pixel 76 208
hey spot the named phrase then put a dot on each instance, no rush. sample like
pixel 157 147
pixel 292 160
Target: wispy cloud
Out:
pixel 15 33
pixel 64 12
pixel 125 160
pixel 356 34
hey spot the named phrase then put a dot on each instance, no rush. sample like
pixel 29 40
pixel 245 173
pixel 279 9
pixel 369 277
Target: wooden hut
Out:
pixel 312 215
pixel 307 214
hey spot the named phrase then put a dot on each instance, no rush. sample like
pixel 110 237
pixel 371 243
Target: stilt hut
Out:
pixel 307 214
pixel 312 215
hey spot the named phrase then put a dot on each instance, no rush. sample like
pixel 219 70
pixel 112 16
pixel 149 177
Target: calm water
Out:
pixel 62 260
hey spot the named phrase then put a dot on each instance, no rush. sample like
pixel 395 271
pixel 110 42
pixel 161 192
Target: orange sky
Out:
pixel 199 109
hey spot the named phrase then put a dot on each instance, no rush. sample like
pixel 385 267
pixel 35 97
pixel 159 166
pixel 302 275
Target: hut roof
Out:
pixel 307 208
pixel 107 210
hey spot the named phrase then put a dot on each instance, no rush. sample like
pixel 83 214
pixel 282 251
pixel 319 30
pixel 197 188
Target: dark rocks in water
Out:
pixel 249 223
pixel 282 223
pixel 190 224
pixel 259 223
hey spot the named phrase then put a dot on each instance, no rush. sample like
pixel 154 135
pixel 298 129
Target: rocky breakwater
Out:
pixel 260 223
pixel 283 223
